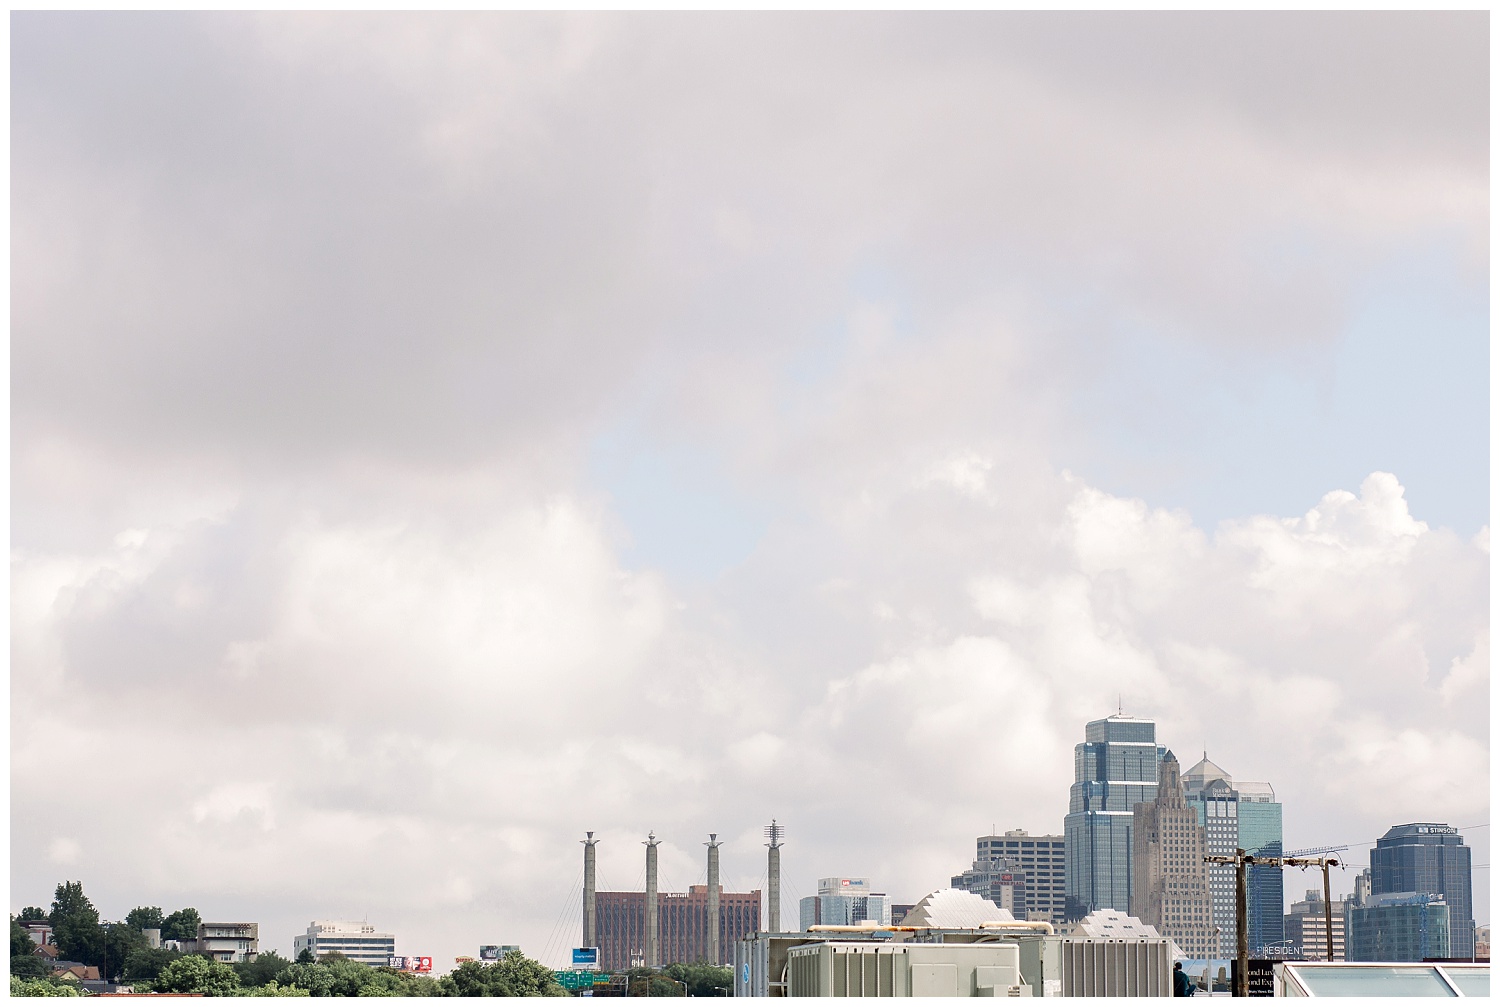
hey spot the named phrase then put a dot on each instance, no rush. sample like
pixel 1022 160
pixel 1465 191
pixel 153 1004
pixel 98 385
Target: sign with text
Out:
pixel 585 956
pixel 409 964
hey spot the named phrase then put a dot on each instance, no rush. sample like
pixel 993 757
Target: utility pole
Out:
pixel 1328 908
pixel 1242 861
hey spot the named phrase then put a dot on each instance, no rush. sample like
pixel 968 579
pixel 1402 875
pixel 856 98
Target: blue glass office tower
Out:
pixel 1429 857
pixel 1243 816
pixel 1113 770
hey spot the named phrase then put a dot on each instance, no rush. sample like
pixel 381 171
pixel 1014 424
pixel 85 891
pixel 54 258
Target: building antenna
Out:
pixel 1121 707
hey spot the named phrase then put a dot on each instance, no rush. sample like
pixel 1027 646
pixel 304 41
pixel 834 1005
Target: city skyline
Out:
pixel 437 436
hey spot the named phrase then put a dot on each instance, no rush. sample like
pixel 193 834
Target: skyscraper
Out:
pixel 1169 890
pixel 1429 857
pixel 1243 816
pixel 1113 770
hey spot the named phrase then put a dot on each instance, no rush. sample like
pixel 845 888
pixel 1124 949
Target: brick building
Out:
pixel 682 918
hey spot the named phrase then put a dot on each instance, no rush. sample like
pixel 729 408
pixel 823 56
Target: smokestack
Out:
pixel 774 833
pixel 590 885
pixel 653 943
pixel 714 955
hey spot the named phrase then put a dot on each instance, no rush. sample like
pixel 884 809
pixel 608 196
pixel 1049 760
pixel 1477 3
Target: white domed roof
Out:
pixel 954 909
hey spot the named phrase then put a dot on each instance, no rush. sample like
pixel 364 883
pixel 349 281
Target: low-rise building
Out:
pixel 1399 927
pixel 228 942
pixel 1306 928
pixel 354 939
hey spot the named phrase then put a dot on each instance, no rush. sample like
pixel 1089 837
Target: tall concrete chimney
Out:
pixel 590 886
pixel 714 955
pixel 773 878
pixel 653 935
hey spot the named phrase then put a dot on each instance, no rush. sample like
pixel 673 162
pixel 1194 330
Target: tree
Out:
pixel 47 987
pixel 69 902
pixel 196 974
pixel 20 941
pixel 147 918
pixel 515 975
pixel 648 982
pixel 28 967
pixel 305 957
pixel 148 962
pixel 75 924
pixel 117 943
pixel 703 978
pixel 181 926
pixel 31 914
pixel 265 968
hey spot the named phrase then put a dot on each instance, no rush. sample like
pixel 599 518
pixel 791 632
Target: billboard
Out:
pixel 495 952
pixel 409 964
pixel 585 956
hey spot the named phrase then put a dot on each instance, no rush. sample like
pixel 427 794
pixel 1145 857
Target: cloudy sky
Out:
pixel 434 437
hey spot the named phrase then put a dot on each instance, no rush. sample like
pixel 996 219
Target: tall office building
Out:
pixel 1113 770
pixel 844 902
pixel 1429 857
pixel 1243 816
pixel 1020 872
pixel 1169 890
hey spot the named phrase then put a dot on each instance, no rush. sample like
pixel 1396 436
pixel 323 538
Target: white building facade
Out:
pixel 354 939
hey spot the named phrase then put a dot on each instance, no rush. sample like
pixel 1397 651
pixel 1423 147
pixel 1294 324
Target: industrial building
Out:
pixel 354 939
pixel 959 945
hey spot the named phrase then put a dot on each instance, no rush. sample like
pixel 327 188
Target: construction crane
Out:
pixel 1315 851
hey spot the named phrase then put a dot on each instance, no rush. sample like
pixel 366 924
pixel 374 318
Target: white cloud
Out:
pixel 317 321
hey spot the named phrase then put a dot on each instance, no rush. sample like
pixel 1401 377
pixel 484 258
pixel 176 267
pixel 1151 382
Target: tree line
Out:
pixel 123 954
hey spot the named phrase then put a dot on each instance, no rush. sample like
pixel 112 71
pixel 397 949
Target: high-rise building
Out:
pixel 1169 890
pixel 1114 769
pixel 1243 816
pixel 1022 873
pixel 1399 927
pixel 844 902
pixel 1305 927
pixel 682 922
pixel 354 939
pixel 1429 857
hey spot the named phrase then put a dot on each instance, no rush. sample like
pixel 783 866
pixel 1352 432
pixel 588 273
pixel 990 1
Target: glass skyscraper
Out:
pixel 1243 816
pixel 1113 770
pixel 1431 858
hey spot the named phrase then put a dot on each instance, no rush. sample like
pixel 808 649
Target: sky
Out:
pixel 437 436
